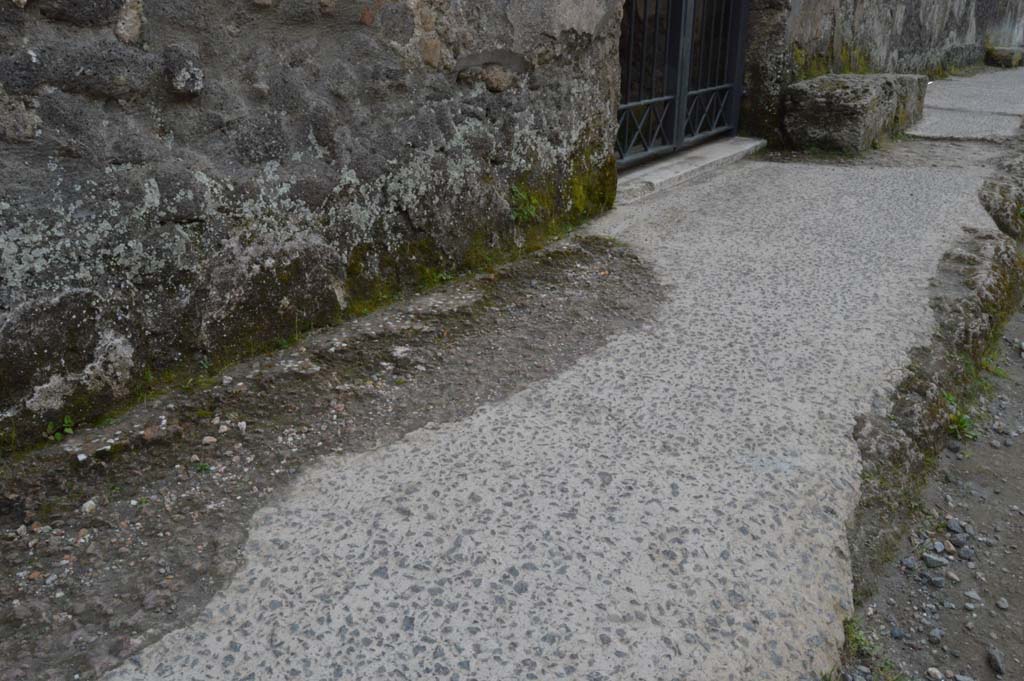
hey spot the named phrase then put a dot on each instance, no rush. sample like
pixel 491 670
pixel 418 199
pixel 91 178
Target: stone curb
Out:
pixel 983 280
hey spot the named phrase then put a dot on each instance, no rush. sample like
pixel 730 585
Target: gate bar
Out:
pixel 683 78
pixel 737 48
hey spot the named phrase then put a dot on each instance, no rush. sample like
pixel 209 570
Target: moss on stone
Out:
pixel 854 60
pixel 375 277
pixel 84 408
pixel 810 65
pixel 367 287
pixel 543 206
pixel 849 59
pixel 945 69
pixel 902 119
pixel 594 188
pixel 938 72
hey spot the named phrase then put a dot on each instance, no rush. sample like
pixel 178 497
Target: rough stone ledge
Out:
pixel 981 284
pixel 1003 196
pixel 1005 57
pixel 851 113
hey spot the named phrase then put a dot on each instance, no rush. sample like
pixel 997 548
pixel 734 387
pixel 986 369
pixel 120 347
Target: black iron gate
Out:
pixel 682 73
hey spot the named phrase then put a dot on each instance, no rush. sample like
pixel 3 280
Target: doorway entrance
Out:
pixel 682 74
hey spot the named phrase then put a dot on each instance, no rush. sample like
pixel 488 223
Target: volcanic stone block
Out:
pixel 1005 57
pixel 851 112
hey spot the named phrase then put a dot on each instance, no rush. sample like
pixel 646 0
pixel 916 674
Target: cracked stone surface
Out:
pixel 670 507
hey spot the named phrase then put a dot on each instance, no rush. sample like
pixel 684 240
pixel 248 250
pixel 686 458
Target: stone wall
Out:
pixel 184 183
pixel 1002 22
pixel 792 40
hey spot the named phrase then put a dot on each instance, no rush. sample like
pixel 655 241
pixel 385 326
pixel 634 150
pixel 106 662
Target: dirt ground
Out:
pixel 950 605
pixel 120 533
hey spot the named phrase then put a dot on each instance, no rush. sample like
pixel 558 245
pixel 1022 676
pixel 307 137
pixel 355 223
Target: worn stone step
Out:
pixel 672 171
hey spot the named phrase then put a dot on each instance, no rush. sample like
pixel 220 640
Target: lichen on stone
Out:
pixel 205 195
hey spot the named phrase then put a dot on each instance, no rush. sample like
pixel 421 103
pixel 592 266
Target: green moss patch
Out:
pixel 543 206
pixel 848 59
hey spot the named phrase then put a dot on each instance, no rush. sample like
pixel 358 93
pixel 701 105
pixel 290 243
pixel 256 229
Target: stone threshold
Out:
pixel 685 166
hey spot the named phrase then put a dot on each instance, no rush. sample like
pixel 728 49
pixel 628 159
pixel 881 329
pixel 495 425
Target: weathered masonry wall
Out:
pixel 793 40
pixel 182 183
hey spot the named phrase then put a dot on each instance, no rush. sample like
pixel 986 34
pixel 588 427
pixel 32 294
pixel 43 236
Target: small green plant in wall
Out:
pixel 961 425
pixel 857 645
pixel 990 363
pixel 525 206
pixel 58 431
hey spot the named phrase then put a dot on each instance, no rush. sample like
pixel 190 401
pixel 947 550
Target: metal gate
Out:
pixel 682 74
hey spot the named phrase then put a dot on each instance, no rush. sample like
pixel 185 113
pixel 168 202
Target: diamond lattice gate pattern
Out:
pixel 682 74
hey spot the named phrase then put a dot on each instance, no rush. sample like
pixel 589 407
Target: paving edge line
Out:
pixel 982 284
pixel 985 139
pixel 686 166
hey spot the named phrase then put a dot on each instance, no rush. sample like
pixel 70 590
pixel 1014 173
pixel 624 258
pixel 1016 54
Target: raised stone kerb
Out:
pixel 852 112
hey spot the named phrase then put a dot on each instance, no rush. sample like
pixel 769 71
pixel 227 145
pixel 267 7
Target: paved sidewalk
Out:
pixel 988 106
pixel 671 507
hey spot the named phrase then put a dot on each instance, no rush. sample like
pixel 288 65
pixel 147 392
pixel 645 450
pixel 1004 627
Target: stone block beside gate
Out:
pixel 851 113
pixel 1005 57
